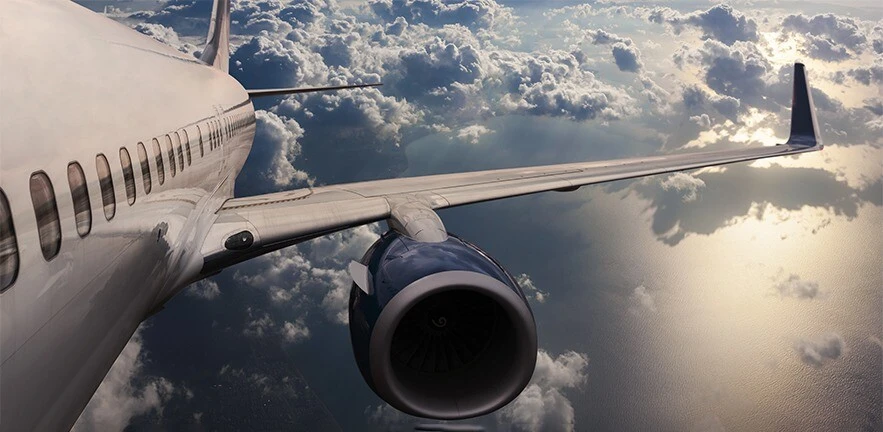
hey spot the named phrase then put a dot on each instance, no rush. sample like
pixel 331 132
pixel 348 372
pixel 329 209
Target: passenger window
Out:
pixel 187 146
pixel 171 152
pixel 201 148
pixel 128 175
pixel 145 168
pixel 160 169
pixel 8 246
pixel 80 196
pixel 46 211
pixel 177 140
pixel 105 182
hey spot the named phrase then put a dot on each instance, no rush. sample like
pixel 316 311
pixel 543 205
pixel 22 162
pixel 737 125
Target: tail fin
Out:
pixel 217 48
pixel 804 127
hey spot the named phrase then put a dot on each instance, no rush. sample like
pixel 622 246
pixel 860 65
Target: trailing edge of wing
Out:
pixel 295 90
pixel 285 218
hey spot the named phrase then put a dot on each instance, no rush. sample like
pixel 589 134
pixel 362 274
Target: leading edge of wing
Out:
pixel 276 220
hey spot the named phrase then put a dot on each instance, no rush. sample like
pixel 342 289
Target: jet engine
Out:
pixel 439 329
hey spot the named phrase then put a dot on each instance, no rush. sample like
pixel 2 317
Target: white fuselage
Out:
pixel 73 85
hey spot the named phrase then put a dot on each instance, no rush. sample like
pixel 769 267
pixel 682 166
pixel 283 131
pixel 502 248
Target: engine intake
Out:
pixel 445 332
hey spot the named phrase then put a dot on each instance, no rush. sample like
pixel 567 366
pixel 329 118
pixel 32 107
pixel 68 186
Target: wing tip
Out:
pixel 804 126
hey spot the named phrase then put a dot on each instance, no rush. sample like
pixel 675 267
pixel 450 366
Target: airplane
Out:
pixel 118 157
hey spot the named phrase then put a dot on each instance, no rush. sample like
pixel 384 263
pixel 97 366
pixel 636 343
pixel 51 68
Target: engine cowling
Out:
pixel 442 331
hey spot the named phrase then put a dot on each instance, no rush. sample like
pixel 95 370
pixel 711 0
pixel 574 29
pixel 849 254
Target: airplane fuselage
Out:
pixel 97 89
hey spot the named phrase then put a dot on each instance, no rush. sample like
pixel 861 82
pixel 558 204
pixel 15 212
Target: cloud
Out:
pixel 641 301
pixel 697 99
pixel 187 17
pixel 601 37
pixel 309 276
pixel 733 193
pixel 688 185
pixel 277 149
pixel 793 286
pixel 530 289
pixel 825 49
pixel 473 133
pixel 125 392
pixel 554 84
pixel 542 406
pixel 475 14
pixel 721 23
pixel 820 351
pixel 627 57
pixel 205 289
pixel 837 29
pixel 295 332
pixel 166 35
pixel 870 75
pixel 258 326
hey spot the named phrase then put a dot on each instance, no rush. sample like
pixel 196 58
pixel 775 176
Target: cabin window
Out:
pixel 46 211
pixel 105 182
pixel 80 196
pixel 187 146
pixel 145 168
pixel 177 140
pixel 171 152
pixel 8 246
pixel 201 148
pixel 160 169
pixel 128 175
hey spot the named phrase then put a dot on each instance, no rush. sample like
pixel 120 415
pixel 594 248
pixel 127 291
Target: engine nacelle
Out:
pixel 442 331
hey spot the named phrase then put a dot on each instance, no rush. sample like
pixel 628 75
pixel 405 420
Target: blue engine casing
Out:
pixel 443 331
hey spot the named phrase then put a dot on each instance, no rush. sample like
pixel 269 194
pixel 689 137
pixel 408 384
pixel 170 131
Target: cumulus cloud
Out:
pixel 697 99
pixel 295 331
pixel 530 289
pixel 627 57
pixel 721 22
pixel 641 301
pixel 870 75
pixel 555 84
pixel 688 185
pixel 125 392
pixel 625 54
pixel 310 275
pixel 258 326
pixel 473 133
pixel 602 37
pixel 828 36
pixel 820 351
pixel 205 289
pixel 475 14
pixel 166 35
pixel 793 286
pixel 542 406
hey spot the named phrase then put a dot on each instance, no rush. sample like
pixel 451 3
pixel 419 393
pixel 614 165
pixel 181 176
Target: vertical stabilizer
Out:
pixel 217 47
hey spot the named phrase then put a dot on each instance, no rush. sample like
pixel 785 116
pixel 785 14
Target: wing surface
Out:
pixel 280 219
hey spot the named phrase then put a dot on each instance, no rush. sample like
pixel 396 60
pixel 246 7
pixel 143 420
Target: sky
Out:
pixel 746 297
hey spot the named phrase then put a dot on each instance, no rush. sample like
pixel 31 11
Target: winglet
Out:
pixel 804 127
pixel 217 47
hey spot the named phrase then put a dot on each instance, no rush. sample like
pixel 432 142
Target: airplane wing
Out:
pixel 252 226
